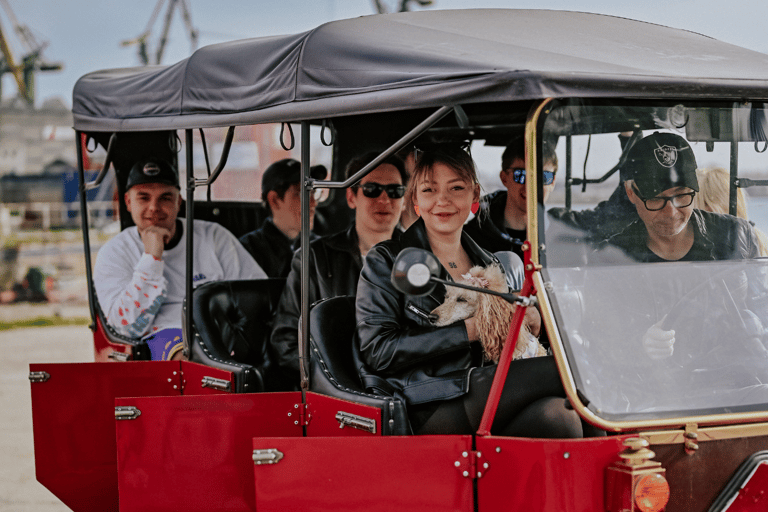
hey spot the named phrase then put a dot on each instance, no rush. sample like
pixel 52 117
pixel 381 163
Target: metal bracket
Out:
pixel 214 383
pixel 118 356
pixel 126 412
pixel 268 456
pixel 346 419
pixel 39 376
pixel 471 464
pixel 300 415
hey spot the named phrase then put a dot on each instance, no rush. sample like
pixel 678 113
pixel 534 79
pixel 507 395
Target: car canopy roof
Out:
pixel 418 59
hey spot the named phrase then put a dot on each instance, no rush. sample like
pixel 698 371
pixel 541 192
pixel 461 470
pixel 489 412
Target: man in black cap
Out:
pixel 661 184
pixel 140 275
pixel 273 244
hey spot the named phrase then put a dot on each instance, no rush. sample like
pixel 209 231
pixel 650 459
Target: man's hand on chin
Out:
pixel 154 239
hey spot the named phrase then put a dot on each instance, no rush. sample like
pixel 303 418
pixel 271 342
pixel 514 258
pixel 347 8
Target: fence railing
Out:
pixel 39 215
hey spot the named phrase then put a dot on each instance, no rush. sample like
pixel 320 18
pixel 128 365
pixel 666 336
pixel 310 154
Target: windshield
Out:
pixel 660 295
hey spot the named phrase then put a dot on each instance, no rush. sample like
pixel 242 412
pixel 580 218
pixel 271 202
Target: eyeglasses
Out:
pixel 655 204
pixel 373 190
pixel 518 175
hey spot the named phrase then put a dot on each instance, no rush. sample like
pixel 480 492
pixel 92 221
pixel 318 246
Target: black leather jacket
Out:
pixel 401 353
pixel 716 237
pixel 334 268
pixel 271 249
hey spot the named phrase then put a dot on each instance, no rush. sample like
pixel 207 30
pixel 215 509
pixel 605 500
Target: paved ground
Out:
pixel 19 490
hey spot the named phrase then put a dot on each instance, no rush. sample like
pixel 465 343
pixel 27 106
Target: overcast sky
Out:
pixel 85 35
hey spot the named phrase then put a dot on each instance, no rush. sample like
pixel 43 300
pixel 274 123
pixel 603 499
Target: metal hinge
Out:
pixel 471 464
pixel 268 456
pixel 691 438
pixel 346 419
pixel 126 412
pixel 214 383
pixel 39 376
pixel 300 415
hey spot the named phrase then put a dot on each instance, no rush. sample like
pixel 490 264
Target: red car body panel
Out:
pixel 193 453
pixel 73 415
pixel 375 474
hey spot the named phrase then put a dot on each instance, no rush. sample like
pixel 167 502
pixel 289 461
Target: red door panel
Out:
pixel 193 453
pixel 374 474
pixel 73 415
pixel 324 409
pixel 557 475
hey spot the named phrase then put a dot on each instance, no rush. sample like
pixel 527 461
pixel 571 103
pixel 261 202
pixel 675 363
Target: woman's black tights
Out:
pixel 532 405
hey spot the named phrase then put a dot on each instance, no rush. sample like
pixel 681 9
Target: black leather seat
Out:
pixel 334 362
pixel 232 322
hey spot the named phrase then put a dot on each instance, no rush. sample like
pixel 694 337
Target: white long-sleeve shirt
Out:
pixel 140 295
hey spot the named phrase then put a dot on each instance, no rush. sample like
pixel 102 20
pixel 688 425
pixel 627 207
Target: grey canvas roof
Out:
pixel 418 59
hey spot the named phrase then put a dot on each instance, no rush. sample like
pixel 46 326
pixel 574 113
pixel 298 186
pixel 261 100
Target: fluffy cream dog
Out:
pixel 493 315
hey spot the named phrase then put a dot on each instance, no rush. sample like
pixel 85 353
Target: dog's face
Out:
pixel 459 304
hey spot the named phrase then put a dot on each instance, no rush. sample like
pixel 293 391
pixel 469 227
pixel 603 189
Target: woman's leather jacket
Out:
pixel 401 353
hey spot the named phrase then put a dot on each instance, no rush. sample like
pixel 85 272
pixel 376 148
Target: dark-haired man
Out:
pixel 335 261
pixel 140 275
pixel 272 245
pixel 501 224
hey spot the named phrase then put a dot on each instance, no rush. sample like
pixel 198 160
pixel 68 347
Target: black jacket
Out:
pixel 401 354
pixel 334 264
pixel 487 228
pixel 716 237
pixel 271 249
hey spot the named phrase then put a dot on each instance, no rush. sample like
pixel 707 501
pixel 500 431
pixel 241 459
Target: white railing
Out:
pixel 17 216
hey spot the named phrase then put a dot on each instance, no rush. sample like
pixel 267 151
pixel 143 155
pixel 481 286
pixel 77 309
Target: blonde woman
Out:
pixel 439 371
pixel 714 194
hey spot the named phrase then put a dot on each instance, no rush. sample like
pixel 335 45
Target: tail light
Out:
pixel 636 483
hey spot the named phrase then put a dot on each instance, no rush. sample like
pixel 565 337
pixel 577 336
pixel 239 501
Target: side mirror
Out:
pixel 414 271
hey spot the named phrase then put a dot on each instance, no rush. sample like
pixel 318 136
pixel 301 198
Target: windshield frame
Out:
pixel 553 320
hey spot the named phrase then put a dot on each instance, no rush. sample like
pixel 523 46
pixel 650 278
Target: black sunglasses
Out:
pixel 518 175
pixel 373 190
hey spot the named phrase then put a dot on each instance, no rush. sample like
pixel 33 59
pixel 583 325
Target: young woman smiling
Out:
pixel 439 371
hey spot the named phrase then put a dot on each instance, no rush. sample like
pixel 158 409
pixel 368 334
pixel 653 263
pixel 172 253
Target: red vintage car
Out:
pixel 211 434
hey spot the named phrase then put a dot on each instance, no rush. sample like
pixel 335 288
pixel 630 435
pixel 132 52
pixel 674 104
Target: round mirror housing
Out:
pixel 413 271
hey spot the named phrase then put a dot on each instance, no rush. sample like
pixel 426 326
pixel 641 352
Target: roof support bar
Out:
pixel 187 312
pixel 306 190
pixel 394 148
pixel 95 183
pixel 84 221
pixel 222 161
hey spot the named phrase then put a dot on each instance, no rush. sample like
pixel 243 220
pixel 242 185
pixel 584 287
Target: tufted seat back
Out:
pixel 232 322
pixel 334 362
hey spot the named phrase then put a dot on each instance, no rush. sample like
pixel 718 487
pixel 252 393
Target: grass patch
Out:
pixel 43 321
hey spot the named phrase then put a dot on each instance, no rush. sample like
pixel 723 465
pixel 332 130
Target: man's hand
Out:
pixel 658 343
pixel 154 239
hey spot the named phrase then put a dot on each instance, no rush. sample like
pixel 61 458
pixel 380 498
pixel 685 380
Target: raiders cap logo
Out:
pixel 151 169
pixel 666 155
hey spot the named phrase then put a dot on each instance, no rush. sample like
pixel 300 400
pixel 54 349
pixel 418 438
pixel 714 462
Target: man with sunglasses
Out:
pixel 272 245
pixel 501 223
pixel 335 261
